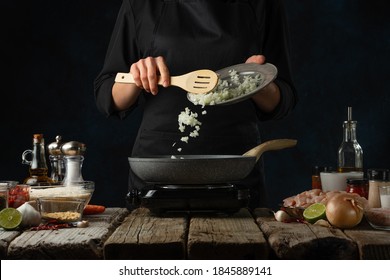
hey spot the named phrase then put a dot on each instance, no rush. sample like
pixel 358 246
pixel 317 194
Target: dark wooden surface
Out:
pixel 234 236
pixel 117 234
pixel 144 236
pixel 64 244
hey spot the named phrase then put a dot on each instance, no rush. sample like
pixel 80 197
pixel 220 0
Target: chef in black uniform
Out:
pixel 174 37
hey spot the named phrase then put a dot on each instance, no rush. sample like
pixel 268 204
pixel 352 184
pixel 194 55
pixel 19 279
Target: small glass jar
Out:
pixel 377 177
pixel 3 195
pixel 5 186
pixel 315 178
pixel 18 195
pixel 358 186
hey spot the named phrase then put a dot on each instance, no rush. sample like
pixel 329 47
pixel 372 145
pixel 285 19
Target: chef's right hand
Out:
pixel 147 73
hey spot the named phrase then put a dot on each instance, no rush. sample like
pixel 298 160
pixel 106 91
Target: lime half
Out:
pixel 315 212
pixel 10 218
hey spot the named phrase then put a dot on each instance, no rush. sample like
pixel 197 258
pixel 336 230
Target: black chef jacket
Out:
pixel 191 35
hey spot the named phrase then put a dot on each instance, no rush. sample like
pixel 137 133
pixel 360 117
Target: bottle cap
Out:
pixel 37 137
pixel 380 174
pixel 359 182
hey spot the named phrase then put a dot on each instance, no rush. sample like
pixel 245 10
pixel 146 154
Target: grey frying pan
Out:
pixel 202 169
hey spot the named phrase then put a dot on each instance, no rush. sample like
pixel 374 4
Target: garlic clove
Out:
pixel 282 216
pixel 322 223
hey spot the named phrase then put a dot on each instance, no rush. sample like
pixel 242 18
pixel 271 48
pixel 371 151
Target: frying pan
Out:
pixel 202 169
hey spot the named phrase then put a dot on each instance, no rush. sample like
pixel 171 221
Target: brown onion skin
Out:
pixel 341 211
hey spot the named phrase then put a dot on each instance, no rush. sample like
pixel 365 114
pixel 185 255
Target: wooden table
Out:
pixel 64 244
pixel 144 236
pixel 118 234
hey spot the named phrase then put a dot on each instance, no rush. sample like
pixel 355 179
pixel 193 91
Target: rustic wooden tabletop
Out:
pixel 118 234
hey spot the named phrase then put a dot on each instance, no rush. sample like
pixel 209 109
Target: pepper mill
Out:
pixel 56 160
pixel 73 152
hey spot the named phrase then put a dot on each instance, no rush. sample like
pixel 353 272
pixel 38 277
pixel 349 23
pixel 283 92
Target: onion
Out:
pixel 344 210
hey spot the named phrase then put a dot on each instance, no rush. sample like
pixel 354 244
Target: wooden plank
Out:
pixel 145 236
pixel 68 243
pixel 305 241
pixel 5 239
pixel 235 236
pixel 373 244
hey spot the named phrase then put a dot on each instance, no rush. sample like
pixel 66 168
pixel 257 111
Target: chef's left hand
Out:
pixel 268 97
pixel 259 59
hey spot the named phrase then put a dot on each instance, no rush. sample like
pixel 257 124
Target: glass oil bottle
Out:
pixel 38 167
pixel 350 153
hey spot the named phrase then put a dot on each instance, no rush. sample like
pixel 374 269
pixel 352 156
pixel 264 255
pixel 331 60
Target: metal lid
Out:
pixel 357 181
pixel 379 174
pixel 73 148
pixel 55 147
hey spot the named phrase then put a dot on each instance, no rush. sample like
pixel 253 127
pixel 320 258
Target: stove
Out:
pixel 217 198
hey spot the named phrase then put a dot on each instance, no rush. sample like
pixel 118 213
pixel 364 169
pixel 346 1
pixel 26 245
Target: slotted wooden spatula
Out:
pixel 199 81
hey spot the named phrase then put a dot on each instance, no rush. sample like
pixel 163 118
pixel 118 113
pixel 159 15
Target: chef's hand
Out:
pixel 268 97
pixel 146 73
pixel 259 59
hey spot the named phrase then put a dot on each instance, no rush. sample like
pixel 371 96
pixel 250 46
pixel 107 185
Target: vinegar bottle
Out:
pixel 38 167
pixel 350 153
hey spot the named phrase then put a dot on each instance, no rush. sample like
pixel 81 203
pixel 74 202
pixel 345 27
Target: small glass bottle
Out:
pixel 3 195
pixel 376 177
pixel 350 153
pixel 38 167
pixel 315 178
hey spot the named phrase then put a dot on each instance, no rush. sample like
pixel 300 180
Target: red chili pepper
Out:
pixel 52 226
pixel 91 209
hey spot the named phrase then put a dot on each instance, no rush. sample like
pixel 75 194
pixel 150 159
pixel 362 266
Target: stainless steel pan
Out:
pixel 202 169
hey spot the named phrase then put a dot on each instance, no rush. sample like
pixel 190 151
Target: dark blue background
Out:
pixel 52 51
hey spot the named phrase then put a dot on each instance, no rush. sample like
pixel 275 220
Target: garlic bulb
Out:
pixel 30 216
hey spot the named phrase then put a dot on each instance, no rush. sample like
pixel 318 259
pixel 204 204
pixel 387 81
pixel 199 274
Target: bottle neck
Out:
pixel 349 131
pixel 38 156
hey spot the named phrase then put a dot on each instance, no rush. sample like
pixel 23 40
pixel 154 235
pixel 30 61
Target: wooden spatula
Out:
pixel 199 81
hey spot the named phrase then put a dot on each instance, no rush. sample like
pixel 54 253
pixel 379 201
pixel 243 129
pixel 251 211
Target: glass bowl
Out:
pixel 78 190
pixel 58 209
pixel 378 218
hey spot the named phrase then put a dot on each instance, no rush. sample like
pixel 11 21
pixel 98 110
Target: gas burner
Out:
pixel 219 198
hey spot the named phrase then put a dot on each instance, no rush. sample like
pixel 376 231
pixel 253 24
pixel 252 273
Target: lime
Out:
pixel 10 218
pixel 315 212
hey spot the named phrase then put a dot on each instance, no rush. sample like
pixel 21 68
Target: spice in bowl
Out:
pixel 60 209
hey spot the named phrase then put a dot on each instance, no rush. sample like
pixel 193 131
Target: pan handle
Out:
pixel 271 145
